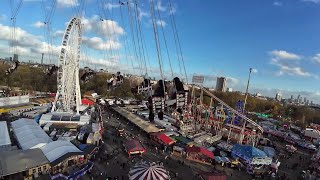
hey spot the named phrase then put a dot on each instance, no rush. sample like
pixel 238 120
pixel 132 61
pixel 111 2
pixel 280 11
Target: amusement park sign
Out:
pixel 197 79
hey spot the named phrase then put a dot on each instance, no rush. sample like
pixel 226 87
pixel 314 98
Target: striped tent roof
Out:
pixel 42 100
pixel 148 171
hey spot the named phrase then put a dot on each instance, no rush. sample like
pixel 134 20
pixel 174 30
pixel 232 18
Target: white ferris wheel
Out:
pixel 68 97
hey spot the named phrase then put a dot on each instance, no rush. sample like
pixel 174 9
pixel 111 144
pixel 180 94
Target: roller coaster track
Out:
pixel 232 110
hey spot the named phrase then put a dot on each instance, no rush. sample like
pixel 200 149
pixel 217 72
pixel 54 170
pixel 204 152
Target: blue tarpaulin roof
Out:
pixel 247 152
pixel 82 146
pixel 269 151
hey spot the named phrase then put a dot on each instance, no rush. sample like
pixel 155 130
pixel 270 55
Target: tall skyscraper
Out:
pixel 15 57
pixel 305 99
pixel 42 58
pixel 299 99
pixel 221 84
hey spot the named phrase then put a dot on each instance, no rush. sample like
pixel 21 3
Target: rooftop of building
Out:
pixel 29 134
pixel 4 134
pixel 16 161
pixel 57 151
pixel 64 117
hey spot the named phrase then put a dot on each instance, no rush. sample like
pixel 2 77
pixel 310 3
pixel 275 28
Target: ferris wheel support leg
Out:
pixel 228 140
pixel 78 93
pixel 242 132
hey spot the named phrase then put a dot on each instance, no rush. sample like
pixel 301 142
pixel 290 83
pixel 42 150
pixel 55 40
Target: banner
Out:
pixel 198 79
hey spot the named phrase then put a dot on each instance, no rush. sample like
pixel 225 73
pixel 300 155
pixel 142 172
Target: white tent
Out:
pixel 29 134
pixel 57 149
pixel 148 171
pixel 4 135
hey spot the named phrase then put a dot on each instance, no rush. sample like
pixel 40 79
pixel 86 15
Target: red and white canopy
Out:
pixel 148 171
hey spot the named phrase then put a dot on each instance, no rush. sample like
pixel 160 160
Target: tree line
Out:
pixel 36 79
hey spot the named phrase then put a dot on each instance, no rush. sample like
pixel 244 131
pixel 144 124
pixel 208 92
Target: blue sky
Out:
pixel 279 39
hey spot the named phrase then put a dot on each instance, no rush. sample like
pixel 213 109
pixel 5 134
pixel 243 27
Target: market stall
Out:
pixel 213 176
pixel 183 140
pixel 199 154
pixel 148 171
pixel 250 155
pixel 162 139
pixel 134 147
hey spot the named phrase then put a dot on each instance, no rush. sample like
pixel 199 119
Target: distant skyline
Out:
pixel 279 39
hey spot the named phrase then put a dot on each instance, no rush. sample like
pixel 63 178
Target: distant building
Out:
pixel 229 89
pixel 291 98
pixel 278 97
pixel 42 58
pixel 258 94
pixel 305 100
pixel 15 57
pixel 8 58
pixel 14 100
pixel 299 99
pixel 221 84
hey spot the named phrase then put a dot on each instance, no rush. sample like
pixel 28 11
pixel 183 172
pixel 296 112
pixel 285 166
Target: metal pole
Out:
pixel 245 99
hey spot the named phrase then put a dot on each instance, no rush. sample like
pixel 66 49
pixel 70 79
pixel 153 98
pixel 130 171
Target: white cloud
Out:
pixel 98 43
pixel 3 17
pixel 173 10
pixel 108 31
pixel 277 3
pixel 27 44
pixel 312 1
pixel 67 3
pixel 254 70
pixel 288 64
pixel 142 13
pixel 30 47
pixel 112 61
pixel 58 33
pixel 232 82
pixel 316 58
pixel 160 7
pixel 161 23
pixel 110 6
pixel 46 48
pixel 294 71
pixel 38 24
pixel 105 28
pixel 281 54
pixel 22 38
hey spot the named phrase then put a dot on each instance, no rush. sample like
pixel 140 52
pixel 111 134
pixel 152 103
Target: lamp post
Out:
pixel 246 96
